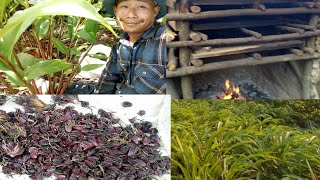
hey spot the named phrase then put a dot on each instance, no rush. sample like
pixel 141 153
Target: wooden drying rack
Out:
pixel 299 39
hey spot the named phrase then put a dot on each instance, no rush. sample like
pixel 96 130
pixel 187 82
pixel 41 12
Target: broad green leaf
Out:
pixel 9 38
pixel 72 22
pixel 99 56
pixel 3 66
pixel 89 36
pixel 79 8
pixel 311 171
pixel 43 26
pixel 292 177
pixel 45 67
pixel 66 35
pixel 60 46
pixel 74 51
pixel 3 5
pixel 77 50
pixel 26 49
pixel 91 26
pixel 14 78
pixel 186 173
pixel 27 60
pixel 90 67
pixel 98 6
pixel 69 71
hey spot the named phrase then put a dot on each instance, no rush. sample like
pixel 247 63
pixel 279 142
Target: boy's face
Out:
pixel 135 16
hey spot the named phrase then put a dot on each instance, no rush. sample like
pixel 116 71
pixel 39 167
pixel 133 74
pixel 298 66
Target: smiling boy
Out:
pixel 137 61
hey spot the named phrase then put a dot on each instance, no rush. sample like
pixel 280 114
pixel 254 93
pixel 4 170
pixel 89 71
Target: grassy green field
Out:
pixel 244 139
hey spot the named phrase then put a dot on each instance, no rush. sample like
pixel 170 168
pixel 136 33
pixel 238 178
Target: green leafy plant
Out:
pixel 46 40
pixel 241 140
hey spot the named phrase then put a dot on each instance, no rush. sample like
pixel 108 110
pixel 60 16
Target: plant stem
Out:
pixel 17 60
pixel 60 83
pixel 72 39
pixel 75 70
pixel 38 42
pixel 54 78
pixel 60 34
pixel 61 89
pixel 33 83
pixel 50 45
pixel 50 91
pixel 9 87
pixel 6 61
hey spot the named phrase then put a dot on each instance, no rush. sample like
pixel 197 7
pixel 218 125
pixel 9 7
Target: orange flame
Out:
pixel 231 92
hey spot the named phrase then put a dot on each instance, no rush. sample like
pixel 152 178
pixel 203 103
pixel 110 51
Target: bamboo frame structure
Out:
pixel 251 61
pixel 237 41
pixel 239 12
pixel 297 37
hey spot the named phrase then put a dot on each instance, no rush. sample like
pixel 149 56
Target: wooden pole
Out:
pixel 297 52
pixel 195 9
pixel 301 26
pixel 306 4
pixel 308 87
pixel 170 35
pixel 238 24
pixel 291 29
pixel 223 51
pixel 238 2
pixel 172 60
pixel 187 71
pixel 240 12
pixel 251 33
pixel 184 53
pixel 233 41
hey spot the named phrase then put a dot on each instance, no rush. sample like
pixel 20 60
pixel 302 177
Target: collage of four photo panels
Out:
pixel 160 89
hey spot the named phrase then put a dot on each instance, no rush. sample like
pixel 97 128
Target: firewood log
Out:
pixel 195 9
pixel 204 37
pixel 170 35
pixel 309 50
pixel 195 36
pixel 260 6
pixel 297 52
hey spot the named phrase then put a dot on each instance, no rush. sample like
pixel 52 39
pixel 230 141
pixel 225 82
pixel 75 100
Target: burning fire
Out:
pixel 232 92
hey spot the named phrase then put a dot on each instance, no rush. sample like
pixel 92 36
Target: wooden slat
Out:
pixel 223 51
pixel 190 70
pixel 241 12
pixel 238 24
pixel 233 41
pixel 237 2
